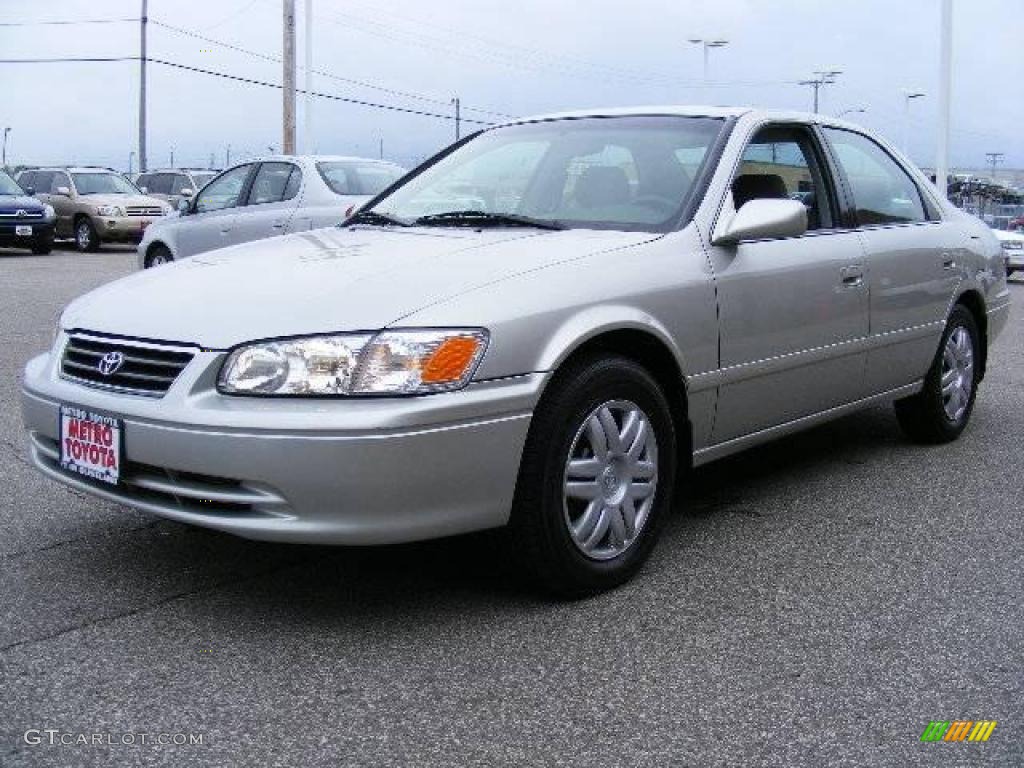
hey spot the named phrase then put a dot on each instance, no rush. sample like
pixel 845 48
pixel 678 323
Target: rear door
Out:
pixel 793 311
pixel 273 198
pixel 212 223
pixel 913 259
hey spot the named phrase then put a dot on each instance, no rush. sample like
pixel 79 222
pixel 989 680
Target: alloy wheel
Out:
pixel 957 378
pixel 610 479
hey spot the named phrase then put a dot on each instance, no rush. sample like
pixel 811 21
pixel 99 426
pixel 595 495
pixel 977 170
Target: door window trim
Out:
pixel 824 167
pixel 243 193
pixel 932 213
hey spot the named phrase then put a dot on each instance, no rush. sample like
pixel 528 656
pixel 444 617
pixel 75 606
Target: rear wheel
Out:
pixel 86 239
pixel 596 478
pixel 157 255
pixel 941 410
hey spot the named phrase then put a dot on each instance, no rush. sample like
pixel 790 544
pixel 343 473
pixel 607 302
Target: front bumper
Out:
pixel 42 230
pixel 125 229
pixel 318 471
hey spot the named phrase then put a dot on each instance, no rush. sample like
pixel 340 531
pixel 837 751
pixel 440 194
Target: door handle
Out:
pixel 278 225
pixel 853 276
pixel 948 262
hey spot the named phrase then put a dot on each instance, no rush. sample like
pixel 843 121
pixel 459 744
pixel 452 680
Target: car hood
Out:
pixel 14 203
pixel 337 279
pixel 122 200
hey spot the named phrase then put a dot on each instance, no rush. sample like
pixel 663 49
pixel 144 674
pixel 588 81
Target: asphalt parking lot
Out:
pixel 815 602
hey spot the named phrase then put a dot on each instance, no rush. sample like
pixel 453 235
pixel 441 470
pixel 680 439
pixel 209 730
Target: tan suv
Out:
pixel 94 205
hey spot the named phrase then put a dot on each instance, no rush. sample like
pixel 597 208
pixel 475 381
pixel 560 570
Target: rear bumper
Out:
pixel 318 471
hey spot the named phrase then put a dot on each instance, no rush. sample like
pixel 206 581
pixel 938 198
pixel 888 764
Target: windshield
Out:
pixel 349 178
pixel 103 184
pixel 625 173
pixel 200 178
pixel 9 186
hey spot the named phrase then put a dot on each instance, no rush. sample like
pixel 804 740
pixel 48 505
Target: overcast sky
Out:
pixel 518 58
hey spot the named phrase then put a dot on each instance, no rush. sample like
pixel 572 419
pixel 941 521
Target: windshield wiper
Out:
pixel 375 217
pixel 475 218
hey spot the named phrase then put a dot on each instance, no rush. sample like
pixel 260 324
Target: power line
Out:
pixel 330 75
pixel 64 22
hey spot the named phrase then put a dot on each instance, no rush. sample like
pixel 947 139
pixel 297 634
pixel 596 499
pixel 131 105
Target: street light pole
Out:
pixel 908 96
pixel 6 131
pixel 707 45
pixel 458 117
pixel 945 97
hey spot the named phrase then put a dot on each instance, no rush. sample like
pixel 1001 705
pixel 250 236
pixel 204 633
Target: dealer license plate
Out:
pixel 90 444
pixel 23 230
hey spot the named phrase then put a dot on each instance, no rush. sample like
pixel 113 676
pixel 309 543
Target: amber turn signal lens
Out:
pixel 450 360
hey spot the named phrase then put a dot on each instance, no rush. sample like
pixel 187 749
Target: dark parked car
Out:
pixel 24 221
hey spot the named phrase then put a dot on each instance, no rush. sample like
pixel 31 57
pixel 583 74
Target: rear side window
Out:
pixel 348 178
pixel 271 184
pixel 883 193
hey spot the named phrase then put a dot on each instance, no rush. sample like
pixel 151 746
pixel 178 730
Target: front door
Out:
pixel 215 212
pixel 271 204
pixel 793 311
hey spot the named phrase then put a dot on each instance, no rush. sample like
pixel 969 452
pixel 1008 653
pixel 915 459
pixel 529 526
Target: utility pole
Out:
pixel 6 131
pixel 143 21
pixel 823 77
pixel 381 147
pixel 288 132
pixel 307 139
pixel 707 45
pixel 908 96
pixel 227 156
pixel 458 117
pixel 994 158
pixel 945 97
pixel 131 162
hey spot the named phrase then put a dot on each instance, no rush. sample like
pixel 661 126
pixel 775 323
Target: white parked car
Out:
pixel 1013 249
pixel 264 198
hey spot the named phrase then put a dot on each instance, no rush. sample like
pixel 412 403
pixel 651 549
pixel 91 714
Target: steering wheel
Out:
pixel 659 204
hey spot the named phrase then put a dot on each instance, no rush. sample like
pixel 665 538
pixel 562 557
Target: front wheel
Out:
pixel 158 254
pixel 596 478
pixel 941 410
pixel 86 238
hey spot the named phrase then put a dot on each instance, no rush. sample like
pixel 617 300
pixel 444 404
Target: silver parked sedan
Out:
pixel 541 328
pixel 265 198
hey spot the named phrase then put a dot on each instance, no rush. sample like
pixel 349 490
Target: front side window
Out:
pixel 271 184
pixel 780 162
pixel 102 184
pixel 224 191
pixel 625 173
pixel 202 178
pixel 882 192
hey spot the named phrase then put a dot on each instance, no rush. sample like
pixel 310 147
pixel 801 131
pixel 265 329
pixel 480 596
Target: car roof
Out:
pixel 179 170
pixel 318 158
pixel 76 169
pixel 675 110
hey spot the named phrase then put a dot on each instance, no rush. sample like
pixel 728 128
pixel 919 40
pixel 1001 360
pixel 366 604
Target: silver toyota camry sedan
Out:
pixel 541 328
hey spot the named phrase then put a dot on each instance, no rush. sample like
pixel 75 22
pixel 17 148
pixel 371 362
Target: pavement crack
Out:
pixel 158 604
pixel 6 556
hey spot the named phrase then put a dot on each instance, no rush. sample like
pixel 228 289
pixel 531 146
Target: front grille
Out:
pixel 137 210
pixel 144 370
pixel 27 215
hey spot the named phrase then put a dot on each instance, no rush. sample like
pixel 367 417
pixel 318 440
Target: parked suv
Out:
pixel 24 221
pixel 174 184
pixel 94 205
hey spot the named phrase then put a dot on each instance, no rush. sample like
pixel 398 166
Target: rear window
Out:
pixel 351 178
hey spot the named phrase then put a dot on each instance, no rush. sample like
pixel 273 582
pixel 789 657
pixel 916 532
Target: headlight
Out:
pixel 110 210
pixel 48 212
pixel 412 362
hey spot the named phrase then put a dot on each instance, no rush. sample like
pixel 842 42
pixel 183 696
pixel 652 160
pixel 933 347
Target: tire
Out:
pixel 932 416
pixel 42 246
pixel 86 239
pixel 157 255
pixel 545 511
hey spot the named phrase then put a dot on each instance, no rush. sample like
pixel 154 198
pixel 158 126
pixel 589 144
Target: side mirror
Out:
pixel 65 191
pixel 184 206
pixel 186 192
pixel 144 190
pixel 765 219
pixel 30 191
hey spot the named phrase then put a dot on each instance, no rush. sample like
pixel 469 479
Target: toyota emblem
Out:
pixel 22 213
pixel 110 363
